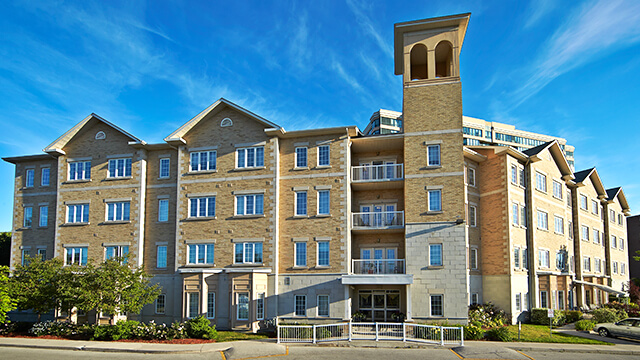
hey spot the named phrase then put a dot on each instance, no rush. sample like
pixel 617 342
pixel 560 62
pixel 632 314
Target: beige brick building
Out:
pixel 241 221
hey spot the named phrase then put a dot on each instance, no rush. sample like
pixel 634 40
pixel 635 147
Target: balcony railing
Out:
pixel 375 220
pixel 384 172
pixel 378 267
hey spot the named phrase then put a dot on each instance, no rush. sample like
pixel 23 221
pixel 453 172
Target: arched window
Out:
pixel 444 59
pixel 226 122
pixel 419 62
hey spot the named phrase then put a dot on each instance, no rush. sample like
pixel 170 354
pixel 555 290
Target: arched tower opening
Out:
pixel 444 59
pixel 419 62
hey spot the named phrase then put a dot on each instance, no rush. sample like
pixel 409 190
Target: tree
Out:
pixel 5 248
pixel 38 284
pixel 7 302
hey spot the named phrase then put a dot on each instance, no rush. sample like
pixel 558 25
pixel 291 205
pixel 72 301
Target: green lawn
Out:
pixel 540 334
pixel 233 336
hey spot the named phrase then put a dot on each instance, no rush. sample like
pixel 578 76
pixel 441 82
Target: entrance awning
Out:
pixel 601 287
pixel 395 279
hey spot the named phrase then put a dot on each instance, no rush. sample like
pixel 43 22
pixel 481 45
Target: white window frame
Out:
pixel 436 161
pixel 431 305
pixel 164 303
pixel 515 214
pixel 246 211
pixel 471 176
pixel 159 264
pixel 209 165
pixel 612 216
pixel 43 219
pixel 514 174
pixel 429 204
pixel 118 251
pixel 615 267
pixel 238 307
pixel 78 250
pixel 80 212
pixel 472 215
pixel 584 202
pixel 84 174
pixel 584 230
pixel 597 265
pixel 320 202
pixel 516 257
pixel 614 241
pixel 544 298
pixel 541 182
pixel 594 207
pixel 322 312
pixel 162 167
pixel 474 298
pixel 621 243
pixel 558 224
pixel 45 170
pixel 27 220
pixel 473 258
pixel 543 219
pixel 117 173
pixel 195 251
pixel 25 254
pixel 121 211
pixel 42 254
pixel 253 245
pixel 320 150
pixel 301 157
pixel 586 263
pixel 30 175
pixel 242 161
pixel 318 256
pixel 518 301
pixel 211 305
pixel 299 210
pixel 191 307
pixel 163 212
pixel 557 189
pixel 431 259
pixel 303 298
pixel 543 259
pixel 596 236
pixel 209 207
pixel 260 306
pixel 300 260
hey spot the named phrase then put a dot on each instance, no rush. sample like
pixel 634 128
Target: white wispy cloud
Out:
pixel 348 78
pixel 592 31
pixel 537 10
pixel 368 26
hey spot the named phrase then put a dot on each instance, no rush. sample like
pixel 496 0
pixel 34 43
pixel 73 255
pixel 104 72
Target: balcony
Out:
pixel 382 220
pixel 384 176
pixel 377 272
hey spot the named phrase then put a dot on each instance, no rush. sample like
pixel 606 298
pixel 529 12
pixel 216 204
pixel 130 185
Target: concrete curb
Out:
pixel 114 349
pixel 578 351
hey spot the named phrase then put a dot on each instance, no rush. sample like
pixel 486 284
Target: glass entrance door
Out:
pixel 379 305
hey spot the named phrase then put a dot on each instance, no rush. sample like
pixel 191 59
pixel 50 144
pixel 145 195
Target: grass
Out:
pixel 233 336
pixel 540 334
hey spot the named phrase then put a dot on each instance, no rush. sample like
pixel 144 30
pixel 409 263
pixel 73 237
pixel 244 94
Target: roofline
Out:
pixel 623 200
pixel 280 132
pixel 24 158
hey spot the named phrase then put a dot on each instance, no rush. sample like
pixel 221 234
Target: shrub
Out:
pixel 499 334
pixel 54 328
pixel 585 325
pixel 573 315
pixel 540 317
pixel 426 332
pixel 487 314
pixel 200 328
pixel 606 315
pixel 473 331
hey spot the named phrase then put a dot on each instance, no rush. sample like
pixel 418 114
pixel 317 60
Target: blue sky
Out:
pixel 567 69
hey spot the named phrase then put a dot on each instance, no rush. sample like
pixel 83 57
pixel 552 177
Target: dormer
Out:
pixel 428 50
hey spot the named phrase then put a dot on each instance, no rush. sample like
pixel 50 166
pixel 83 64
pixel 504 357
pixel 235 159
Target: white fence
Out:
pixel 442 335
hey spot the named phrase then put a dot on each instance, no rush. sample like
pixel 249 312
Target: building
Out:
pixel 242 221
pixel 633 229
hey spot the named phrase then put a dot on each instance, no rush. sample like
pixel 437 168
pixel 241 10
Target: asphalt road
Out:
pixel 320 353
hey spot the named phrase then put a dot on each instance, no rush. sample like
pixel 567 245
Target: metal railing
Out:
pixel 378 267
pixel 380 219
pixel 442 335
pixel 385 172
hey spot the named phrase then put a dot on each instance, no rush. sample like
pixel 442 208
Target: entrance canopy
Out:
pixel 601 287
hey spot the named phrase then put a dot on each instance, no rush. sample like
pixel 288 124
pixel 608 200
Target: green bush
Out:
pixel 200 328
pixel 427 333
pixel 585 325
pixel 539 316
pixel 573 315
pixel 499 334
pixel 487 314
pixel 473 331
pixel 606 315
pixel 54 328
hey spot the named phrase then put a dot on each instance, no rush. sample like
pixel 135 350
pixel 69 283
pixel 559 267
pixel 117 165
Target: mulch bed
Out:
pixel 174 341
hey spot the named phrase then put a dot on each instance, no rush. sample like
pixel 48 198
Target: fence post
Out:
pixel 278 331
pixel 404 332
pixel 376 331
pixel 314 334
pixel 350 330
pixel 441 336
pixel 461 335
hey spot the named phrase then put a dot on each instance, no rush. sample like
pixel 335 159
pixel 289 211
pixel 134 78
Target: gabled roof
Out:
pixel 617 192
pixel 177 136
pixel 25 158
pixel 581 176
pixel 62 141
pixel 536 150
pixel 556 152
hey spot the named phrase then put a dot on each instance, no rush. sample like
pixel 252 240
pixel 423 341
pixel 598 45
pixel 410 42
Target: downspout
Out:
pixel 531 252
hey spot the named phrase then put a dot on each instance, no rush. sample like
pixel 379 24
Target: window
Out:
pixel 165 168
pixel 243 306
pixel 301 203
pixel 250 204
pixel 323 155
pixel 586 263
pixel 544 299
pixel 623 268
pixel 516 258
pixel 211 305
pixel 42 254
pixel 514 174
pixel 78 213
pixel 248 253
pixel 612 216
pixel 615 267
pixel 300 305
pixel 474 298
pixel 323 253
pixel 437 305
pixel 594 207
pixel 160 303
pixel 250 157
pixel 323 305
pixel 202 207
pixel 435 200
pixel 614 241
pixel 558 225
pixel 260 307
pixel 619 219
pixel 301 157
pixel 44 216
pixel 433 155
pixel 522 177
pixel 435 255
pixel 621 243
pixel 30 174
pixel 583 202
pixel 596 236
pixel 471 177
pixel 194 304
pixel 119 251
pixel 518 302
pixel 584 232
pixel 119 168
pixel 76 256
pixel 525 259
pixel 45 176
pixel 300 253
pixel 203 161
pixel 473 259
pixel 28 216
pixel 80 170
pixel 472 216
pixel 543 220
pixel 161 257
pixel 26 253
pixel 163 210
pixel 323 202
pixel 543 258
pixel 523 216
pixel 200 254
pixel 561 260
pixel 557 189
pixel 569 204
pixel 515 220
pixel 597 264
pixel 118 211
pixel 570 229
pixel 541 182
